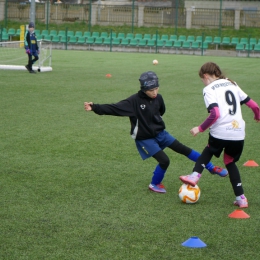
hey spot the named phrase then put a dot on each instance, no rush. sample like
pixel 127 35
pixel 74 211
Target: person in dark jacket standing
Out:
pixel 31 47
pixel 145 110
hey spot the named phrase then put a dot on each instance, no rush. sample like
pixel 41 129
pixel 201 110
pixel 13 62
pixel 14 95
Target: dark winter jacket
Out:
pixel 30 41
pixel 145 114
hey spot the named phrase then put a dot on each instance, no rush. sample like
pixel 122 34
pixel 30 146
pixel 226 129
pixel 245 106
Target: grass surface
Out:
pixel 73 185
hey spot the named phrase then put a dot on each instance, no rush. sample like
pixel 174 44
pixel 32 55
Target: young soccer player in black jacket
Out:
pixel 145 110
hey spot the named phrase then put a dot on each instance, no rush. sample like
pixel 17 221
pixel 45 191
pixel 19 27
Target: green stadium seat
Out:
pixel 115 41
pixel 18 31
pixel 147 36
pixel 53 33
pixel 72 40
pixel 239 48
pixel 244 40
pixel 142 43
pixel 164 37
pixel 5 36
pixel 195 45
pixel 124 42
pixel 248 47
pixel 186 45
pixel 168 44
pixel 90 40
pixel 63 39
pixel 253 41
pixel 47 38
pixel 87 34
pixel 216 40
pixel 129 36
pixel 226 41
pixel 113 35
pixel 61 33
pixel 95 35
pixel 208 39
pixel 11 32
pixel 70 33
pixel 78 34
pixel 138 37
pixel 173 38
pixel 104 35
pixel 257 48
pixel 234 41
pixel 160 43
pixel 198 39
pixel 56 39
pixel 99 40
pixel 204 45
pixel 133 42
pixel 182 38
pixel 190 38
pixel 81 40
pixel 37 32
pixel 121 36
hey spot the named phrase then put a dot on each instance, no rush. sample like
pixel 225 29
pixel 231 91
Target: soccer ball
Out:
pixel 155 62
pixel 189 194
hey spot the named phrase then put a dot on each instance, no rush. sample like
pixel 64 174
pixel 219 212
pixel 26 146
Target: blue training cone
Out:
pixel 194 242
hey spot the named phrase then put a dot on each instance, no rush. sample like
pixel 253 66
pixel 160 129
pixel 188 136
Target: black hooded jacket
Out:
pixel 145 114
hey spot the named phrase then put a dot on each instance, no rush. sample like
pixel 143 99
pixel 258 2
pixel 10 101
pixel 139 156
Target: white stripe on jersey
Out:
pixel 230 125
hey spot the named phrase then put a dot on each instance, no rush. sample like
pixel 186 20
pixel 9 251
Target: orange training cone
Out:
pixel 108 75
pixel 238 213
pixel 251 163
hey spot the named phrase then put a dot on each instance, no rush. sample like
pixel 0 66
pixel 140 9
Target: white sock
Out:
pixel 195 174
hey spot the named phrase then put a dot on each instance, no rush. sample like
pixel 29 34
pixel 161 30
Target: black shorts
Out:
pixel 230 147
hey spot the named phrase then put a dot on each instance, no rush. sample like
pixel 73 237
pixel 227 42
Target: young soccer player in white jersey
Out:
pixel 223 98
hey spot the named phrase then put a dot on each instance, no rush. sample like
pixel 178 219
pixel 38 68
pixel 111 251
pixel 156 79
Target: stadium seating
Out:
pixel 177 45
pixel 248 47
pixel 47 37
pixel 78 34
pixel 115 41
pixel 173 38
pixel 124 42
pixel 121 36
pixel 182 38
pixel 133 43
pixel 72 40
pixel 226 41
pixel 4 36
pixel 239 48
pixel 164 37
pixel 257 48
pixel 138 37
pixel 168 44
pixel 99 40
pixel 61 33
pixel 208 39
pixel 81 40
pixel 186 45
pixel 190 38
pixel 234 41
pixel 11 32
pixel 87 34
pixel 17 33
pixel 104 35
pixel 129 36
pixel 56 39
pixel 243 41
pixel 95 35
pixel 147 36
pixel 199 39
pixel 53 33
pixel 142 43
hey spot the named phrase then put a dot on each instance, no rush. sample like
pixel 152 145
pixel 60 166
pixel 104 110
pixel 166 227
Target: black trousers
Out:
pixel 31 60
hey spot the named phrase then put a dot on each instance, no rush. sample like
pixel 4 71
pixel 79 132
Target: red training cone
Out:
pixel 108 75
pixel 238 213
pixel 251 163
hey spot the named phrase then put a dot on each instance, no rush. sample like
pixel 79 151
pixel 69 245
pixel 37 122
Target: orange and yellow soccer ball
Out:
pixel 189 194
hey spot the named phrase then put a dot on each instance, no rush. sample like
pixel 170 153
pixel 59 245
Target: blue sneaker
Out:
pixel 156 188
pixel 219 171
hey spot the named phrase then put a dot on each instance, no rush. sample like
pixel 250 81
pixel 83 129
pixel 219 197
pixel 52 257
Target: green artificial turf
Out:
pixel 73 185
